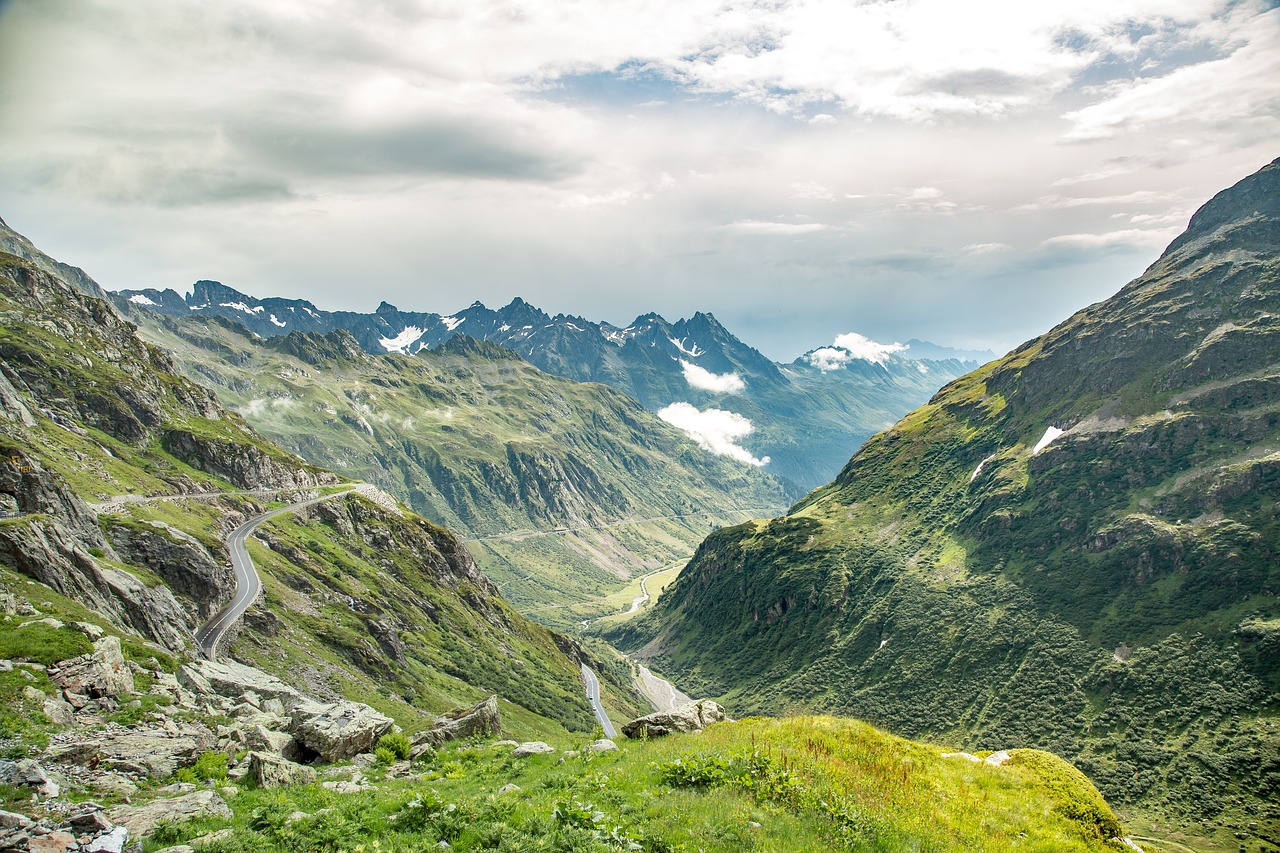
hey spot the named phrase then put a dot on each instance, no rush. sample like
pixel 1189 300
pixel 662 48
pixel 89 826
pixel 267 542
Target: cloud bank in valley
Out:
pixel 705 380
pixel 716 430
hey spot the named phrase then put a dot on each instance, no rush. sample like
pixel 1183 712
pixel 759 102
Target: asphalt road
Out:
pixel 248 584
pixel 593 693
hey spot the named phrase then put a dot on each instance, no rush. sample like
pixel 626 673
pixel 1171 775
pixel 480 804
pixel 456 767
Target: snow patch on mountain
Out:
pixel 715 430
pixel 400 342
pixel 452 323
pixel 240 306
pixel 1051 435
pixel 139 299
pixel 693 350
pixel 716 383
pixel 276 322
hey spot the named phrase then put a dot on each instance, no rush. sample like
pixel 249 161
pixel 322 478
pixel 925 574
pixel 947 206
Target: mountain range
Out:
pixel 802 420
pixel 1073 547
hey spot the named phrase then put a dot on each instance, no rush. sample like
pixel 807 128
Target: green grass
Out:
pixel 804 784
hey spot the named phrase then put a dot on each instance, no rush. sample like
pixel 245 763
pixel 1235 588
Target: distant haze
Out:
pixel 964 173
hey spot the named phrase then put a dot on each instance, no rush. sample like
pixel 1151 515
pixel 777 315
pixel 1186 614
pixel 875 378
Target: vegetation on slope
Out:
pixel 1111 597
pixel 805 784
pixel 384 604
pixel 594 488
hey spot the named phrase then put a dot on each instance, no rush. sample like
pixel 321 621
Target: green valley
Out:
pixel 1073 548
pixel 565 490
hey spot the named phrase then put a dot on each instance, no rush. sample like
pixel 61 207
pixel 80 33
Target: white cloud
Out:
pixel 985 248
pixel 755 226
pixel 715 430
pixel 717 383
pixel 1123 237
pixel 1240 86
pixel 850 346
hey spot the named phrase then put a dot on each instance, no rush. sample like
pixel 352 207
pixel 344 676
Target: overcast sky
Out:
pixel 968 173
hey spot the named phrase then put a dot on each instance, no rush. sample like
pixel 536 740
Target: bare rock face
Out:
pixel 480 719
pixel 142 820
pixel 333 731
pixel 101 673
pixel 157 751
pixel 339 730
pixel 184 563
pixel 26 773
pixel 693 717
pixel 533 747
pixel 272 771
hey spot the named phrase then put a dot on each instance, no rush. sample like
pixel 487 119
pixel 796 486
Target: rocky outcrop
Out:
pixel 142 820
pixel 339 730
pixel 102 673
pixel 53 554
pixel 693 717
pixel 246 465
pixel 272 771
pixel 181 559
pixel 26 773
pixel 156 751
pixel 333 730
pixel 480 719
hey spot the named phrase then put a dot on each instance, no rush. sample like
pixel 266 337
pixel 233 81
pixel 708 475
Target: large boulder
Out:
pixel 26 773
pixel 272 771
pixel 155 751
pixel 692 717
pixel 339 730
pixel 480 719
pixel 100 673
pixel 333 730
pixel 142 820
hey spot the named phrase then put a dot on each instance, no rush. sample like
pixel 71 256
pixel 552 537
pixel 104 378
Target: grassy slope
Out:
pixel 806 784
pixel 487 445
pixel 1112 598
pixel 446 666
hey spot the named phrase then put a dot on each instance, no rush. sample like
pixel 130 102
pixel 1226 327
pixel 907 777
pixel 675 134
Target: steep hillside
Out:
pixel 804 417
pixel 1074 548
pixel 567 489
pixel 121 478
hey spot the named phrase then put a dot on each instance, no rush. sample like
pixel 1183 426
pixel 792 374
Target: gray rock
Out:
pixel 93 632
pixel 533 747
pixel 157 751
pixel 91 822
pixel 12 820
pixel 260 739
pixel 142 820
pixel 691 717
pixel 995 759
pixel 342 786
pixel 58 711
pixel 509 788
pixel 602 745
pixel 339 730
pixel 52 842
pixel 102 673
pixel 332 730
pixel 272 771
pixel 480 719
pixel 26 773
pixel 110 842
pixel 177 848
pixel 114 783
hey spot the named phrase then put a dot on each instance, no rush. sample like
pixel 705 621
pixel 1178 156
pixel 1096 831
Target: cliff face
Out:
pixel 1073 547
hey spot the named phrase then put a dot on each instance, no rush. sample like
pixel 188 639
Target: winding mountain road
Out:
pixel 593 693
pixel 248 584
